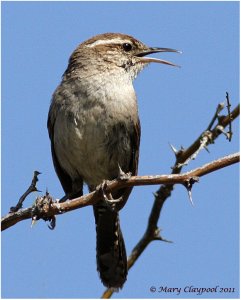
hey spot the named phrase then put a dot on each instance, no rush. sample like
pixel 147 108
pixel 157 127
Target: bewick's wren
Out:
pixel 94 129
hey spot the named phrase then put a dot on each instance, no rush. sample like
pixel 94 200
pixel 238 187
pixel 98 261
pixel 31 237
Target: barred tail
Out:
pixel 110 249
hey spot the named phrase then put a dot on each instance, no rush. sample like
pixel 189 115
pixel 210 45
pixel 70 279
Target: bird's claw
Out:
pixel 107 196
pixel 112 202
pixel 122 175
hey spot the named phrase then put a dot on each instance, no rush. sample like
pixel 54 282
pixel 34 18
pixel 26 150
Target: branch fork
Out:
pixel 43 209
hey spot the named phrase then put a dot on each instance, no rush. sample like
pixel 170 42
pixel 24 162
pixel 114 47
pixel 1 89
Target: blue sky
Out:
pixel 175 106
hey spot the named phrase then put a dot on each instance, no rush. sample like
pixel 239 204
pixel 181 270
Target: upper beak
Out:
pixel 145 59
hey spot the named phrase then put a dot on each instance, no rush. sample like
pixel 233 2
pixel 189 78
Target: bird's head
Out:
pixel 115 51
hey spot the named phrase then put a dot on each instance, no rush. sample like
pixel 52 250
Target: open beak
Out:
pixel 144 59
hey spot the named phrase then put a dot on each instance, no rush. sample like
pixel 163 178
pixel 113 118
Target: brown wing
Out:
pixel 133 167
pixel 64 178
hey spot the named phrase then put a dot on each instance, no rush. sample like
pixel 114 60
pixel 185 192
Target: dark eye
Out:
pixel 127 47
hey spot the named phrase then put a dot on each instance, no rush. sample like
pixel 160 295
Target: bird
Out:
pixel 94 130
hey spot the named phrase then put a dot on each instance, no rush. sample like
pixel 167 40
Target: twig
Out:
pixel 229 133
pixel 32 188
pixel 206 138
pixel 203 145
pixel 219 108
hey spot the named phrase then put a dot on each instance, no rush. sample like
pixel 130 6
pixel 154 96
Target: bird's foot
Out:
pixel 107 196
pixel 122 175
pixel 102 189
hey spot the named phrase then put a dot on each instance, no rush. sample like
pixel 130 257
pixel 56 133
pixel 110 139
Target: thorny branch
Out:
pixel 183 156
pixel 46 208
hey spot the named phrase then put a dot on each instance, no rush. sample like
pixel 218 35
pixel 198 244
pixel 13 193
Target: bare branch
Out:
pixel 46 208
pixel 12 218
pixel 206 138
pixel 164 192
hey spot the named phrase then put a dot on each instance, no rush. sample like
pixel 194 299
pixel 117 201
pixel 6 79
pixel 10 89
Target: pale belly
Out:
pixel 91 147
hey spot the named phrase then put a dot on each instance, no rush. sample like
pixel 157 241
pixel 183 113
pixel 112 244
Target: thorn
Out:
pixel 52 224
pixel 188 185
pixel 155 194
pixel 37 173
pixel 229 136
pixel 34 221
pixel 190 196
pixel 173 149
pixel 164 240
pixel 158 237
pixel 220 128
pixel 179 165
pixel 206 148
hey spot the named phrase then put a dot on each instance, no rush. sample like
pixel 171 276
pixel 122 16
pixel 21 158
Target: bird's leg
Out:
pixel 63 199
pixel 107 196
pixel 71 196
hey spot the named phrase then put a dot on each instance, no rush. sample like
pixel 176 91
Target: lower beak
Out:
pixel 144 59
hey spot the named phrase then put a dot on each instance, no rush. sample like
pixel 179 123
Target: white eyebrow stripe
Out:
pixel 106 42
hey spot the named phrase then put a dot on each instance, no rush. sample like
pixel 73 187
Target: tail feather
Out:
pixel 110 248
